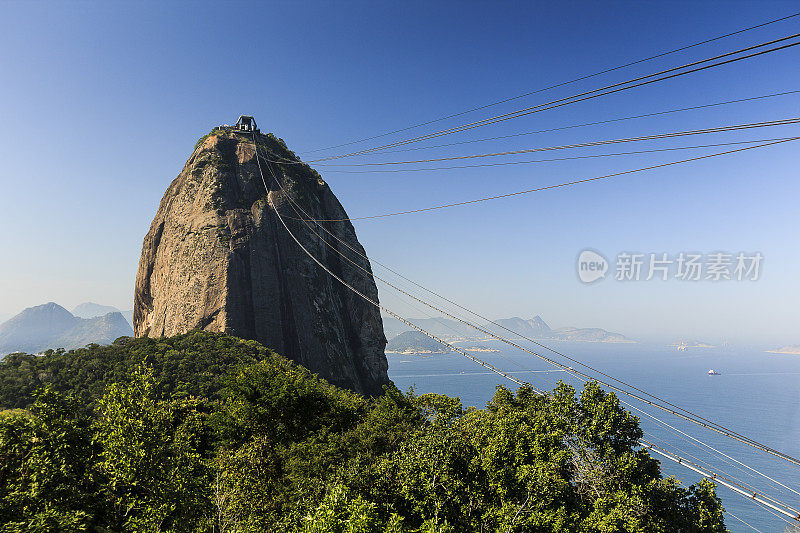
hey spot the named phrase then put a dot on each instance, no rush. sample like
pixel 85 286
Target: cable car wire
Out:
pixel 670 135
pixel 550 160
pixel 659 450
pixel 487 320
pixel 585 124
pixel 556 186
pixel 575 80
pixel 586 95
pixel 691 416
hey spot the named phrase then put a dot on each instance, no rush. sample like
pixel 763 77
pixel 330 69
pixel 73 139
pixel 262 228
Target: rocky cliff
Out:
pixel 217 258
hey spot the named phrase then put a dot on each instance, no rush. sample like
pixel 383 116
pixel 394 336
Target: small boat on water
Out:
pixel 713 372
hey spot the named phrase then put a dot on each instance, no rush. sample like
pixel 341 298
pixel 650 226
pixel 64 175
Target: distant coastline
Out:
pixel 422 351
pixel 691 344
pixel 416 352
pixel 536 328
pixel 793 349
pixel 604 341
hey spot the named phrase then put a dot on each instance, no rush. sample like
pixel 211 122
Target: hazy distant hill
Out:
pixel 414 342
pixel 530 328
pixel 793 349
pixel 91 310
pixel 99 330
pixel 446 328
pixel 35 327
pixel 393 327
pixel 51 326
pixel 534 328
pixel 589 335
pixel 450 329
pixel 128 316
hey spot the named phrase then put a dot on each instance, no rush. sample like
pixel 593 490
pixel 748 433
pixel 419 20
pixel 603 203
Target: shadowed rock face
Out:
pixel 217 258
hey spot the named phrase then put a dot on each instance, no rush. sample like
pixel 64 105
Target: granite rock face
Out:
pixel 218 258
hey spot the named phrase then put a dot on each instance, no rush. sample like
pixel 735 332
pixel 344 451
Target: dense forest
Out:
pixel 209 433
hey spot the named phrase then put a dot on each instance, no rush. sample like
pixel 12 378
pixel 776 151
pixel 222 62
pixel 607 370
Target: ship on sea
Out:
pixel 713 372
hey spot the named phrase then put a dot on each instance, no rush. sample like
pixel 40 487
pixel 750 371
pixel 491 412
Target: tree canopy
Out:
pixel 208 433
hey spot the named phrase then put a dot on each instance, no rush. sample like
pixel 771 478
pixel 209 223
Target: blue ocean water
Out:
pixel 757 395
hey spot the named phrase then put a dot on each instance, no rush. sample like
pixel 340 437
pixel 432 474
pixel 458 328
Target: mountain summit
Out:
pixel 217 258
pixel 51 326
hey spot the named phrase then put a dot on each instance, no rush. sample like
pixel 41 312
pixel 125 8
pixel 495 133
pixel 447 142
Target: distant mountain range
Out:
pixel 51 326
pixel 91 310
pixel 535 328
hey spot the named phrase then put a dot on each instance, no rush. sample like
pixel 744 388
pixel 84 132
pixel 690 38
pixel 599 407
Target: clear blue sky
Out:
pixel 102 104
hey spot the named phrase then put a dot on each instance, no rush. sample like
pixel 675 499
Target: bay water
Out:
pixel 757 394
